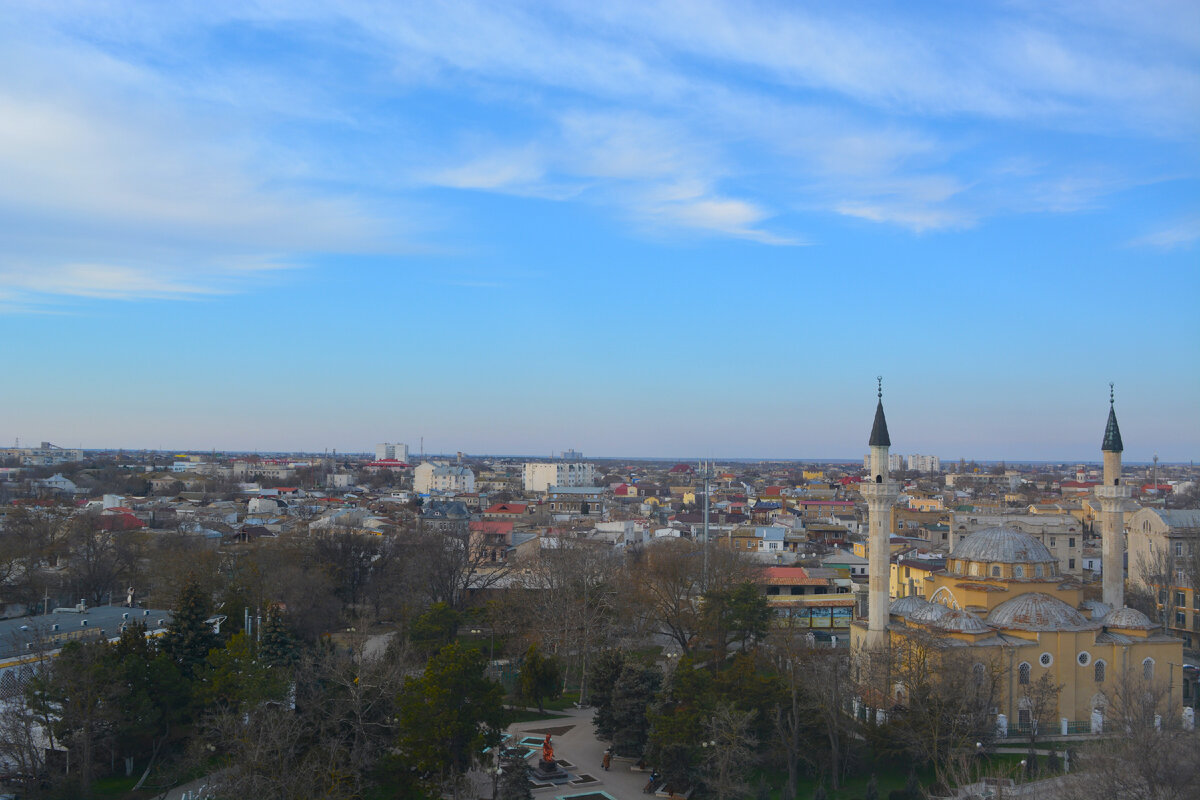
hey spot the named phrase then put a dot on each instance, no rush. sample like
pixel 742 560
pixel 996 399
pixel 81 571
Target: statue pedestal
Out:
pixel 548 771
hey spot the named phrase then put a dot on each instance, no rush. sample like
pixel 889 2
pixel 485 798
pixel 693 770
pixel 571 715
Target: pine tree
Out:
pixel 277 647
pixel 540 677
pixel 189 636
pixel 514 780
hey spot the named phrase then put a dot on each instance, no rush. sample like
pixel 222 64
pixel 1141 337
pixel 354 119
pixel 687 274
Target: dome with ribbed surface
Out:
pixel 1035 611
pixel 959 621
pixel 905 606
pixel 1003 545
pixel 1098 610
pixel 929 613
pixel 1128 618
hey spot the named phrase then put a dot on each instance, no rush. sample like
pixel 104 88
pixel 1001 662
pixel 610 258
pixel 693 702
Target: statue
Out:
pixel 548 769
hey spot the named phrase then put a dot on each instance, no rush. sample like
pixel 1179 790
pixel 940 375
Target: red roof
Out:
pixel 491 526
pixel 119 522
pixel 681 468
pixel 389 463
pixel 772 491
pixel 507 508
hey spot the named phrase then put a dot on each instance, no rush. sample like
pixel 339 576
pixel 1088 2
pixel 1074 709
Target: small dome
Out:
pixel 907 605
pixel 960 621
pixel 1128 618
pixel 1097 609
pixel 929 613
pixel 1035 611
pixel 1003 545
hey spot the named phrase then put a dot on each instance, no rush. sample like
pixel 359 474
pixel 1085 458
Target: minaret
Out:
pixel 1112 496
pixel 880 493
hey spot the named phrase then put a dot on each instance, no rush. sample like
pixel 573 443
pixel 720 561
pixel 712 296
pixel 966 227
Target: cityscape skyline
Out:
pixel 626 229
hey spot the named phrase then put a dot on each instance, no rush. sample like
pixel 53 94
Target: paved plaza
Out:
pixel 575 741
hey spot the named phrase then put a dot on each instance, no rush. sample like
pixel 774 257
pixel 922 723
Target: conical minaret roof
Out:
pixel 879 431
pixel 1112 433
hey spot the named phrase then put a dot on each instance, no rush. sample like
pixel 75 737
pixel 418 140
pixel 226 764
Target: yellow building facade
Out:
pixel 1002 598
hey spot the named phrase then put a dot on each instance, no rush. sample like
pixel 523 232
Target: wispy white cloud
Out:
pixel 164 150
pixel 1180 235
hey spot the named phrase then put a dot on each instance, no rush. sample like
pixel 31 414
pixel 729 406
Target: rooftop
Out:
pixel 22 635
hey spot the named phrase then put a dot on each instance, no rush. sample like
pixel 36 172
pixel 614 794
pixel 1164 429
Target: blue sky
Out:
pixel 678 228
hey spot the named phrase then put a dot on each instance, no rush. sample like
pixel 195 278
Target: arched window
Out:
pixel 1099 672
pixel 995 570
pixel 1023 673
pixel 978 671
pixel 1018 571
pixel 1037 570
pixel 1148 669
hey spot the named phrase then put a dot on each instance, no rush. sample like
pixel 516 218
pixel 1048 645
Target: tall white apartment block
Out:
pixel 921 463
pixel 389 451
pixel 540 477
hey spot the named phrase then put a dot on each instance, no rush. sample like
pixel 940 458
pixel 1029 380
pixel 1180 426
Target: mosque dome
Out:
pixel 929 613
pixel 1002 545
pixel 1098 610
pixel 960 621
pixel 1035 611
pixel 1128 618
pixel 905 606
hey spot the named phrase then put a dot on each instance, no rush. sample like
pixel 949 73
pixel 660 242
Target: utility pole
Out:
pixel 706 474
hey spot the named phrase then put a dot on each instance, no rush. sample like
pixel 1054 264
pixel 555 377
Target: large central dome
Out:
pixel 1003 546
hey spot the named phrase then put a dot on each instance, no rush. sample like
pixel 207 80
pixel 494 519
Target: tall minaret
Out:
pixel 1112 496
pixel 880 493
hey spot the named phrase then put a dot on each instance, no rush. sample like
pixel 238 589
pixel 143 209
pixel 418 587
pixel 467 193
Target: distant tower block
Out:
pixel 1112 496
pixel 880 493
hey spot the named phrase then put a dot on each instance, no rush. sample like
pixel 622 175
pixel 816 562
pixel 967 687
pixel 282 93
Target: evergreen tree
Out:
pixel 634 693
pixel 237 679
pixel 277 647
pixel 605 674
pixel 514 780
pixel 541 677
pixel 189 636
pixel 435 628
pixel 449 714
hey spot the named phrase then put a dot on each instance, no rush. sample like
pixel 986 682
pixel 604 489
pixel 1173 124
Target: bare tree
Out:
pixel 1040 698
pixel 729 753
pixel 570 605
pixel 943 699
pixel 1160 572
pixel 450 568
pixel 817 685
pixel 1149 756
pixel 668 580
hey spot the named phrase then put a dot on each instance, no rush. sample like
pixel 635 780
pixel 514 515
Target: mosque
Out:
pixel 1001 598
